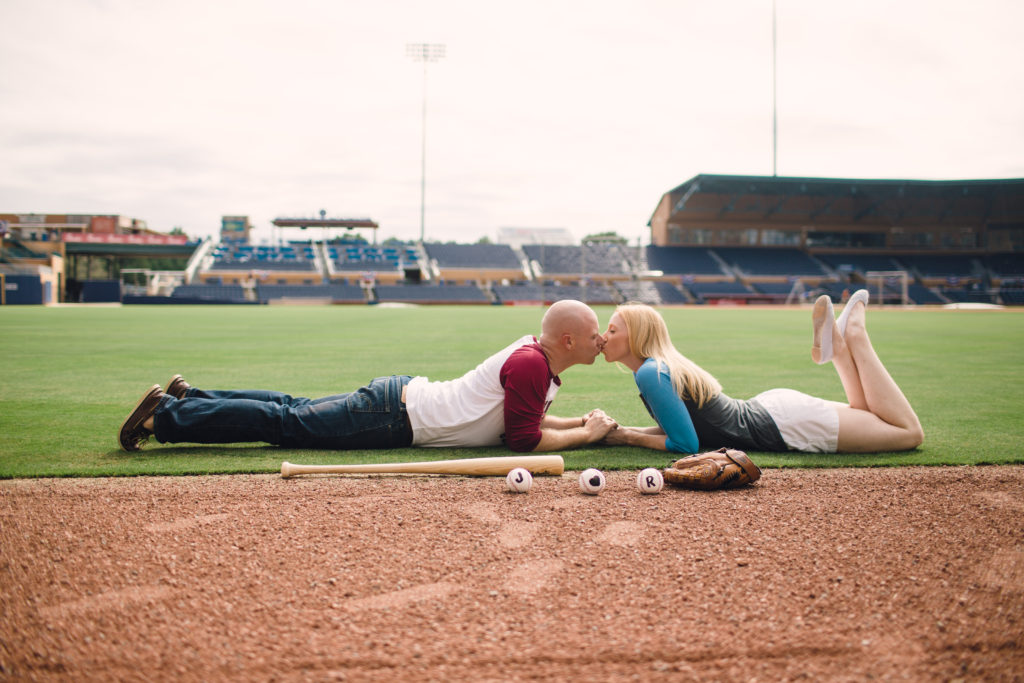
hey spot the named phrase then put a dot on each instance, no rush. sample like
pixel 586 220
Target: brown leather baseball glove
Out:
pixel 725 468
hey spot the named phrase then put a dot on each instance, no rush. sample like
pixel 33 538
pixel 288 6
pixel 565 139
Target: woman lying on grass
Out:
pixel 694 415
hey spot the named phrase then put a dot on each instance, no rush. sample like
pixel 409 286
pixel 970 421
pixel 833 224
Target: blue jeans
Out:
pixel 371 417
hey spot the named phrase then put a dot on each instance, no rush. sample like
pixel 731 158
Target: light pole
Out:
pixel 426 53
pixel 775 108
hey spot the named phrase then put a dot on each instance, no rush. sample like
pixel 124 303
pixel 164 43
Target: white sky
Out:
pixel 573 114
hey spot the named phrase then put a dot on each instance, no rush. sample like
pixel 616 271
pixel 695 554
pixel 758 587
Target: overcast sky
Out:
pixel 544 113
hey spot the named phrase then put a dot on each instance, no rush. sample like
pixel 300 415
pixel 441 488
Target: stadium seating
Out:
pixel 209 292
pixel 776 290
pixel 365 257
pixel 472 255
pixel 1005 265
pixel 719 290
pixel 448 294
pixel 555 259
pixel 682 261
pixel 638 291
pixel 971 295
pixel 339 293
pixel 920 294
pixel 937 266
pixel 520 292
pixel 247 257
pixel 593 294
pixel 1012 295
pixel 670 294
pixel 600 258
pixel 860 263
pixel 754 261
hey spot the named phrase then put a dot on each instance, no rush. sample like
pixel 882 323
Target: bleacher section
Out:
pixel 595 293
pixel 473 264
pixel 598 273
pixel 473 256
pixel 291 257
pixel 520 292
pixel 334 293
pixel 704 291
pixel 963 295
pixel 670 294
pixel 683 261
pixel 1012 295
pixel 937 267
pixel 785 262
pixel 597 259
pixel 920 294
pixel 1003 266
pixel 859 263
pixel 434 294
pixel 639 291
pixel 225 293
pixel 776 291
pixel 364 257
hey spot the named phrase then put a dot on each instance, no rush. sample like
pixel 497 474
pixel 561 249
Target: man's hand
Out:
pixel 596 412
pixel 598 425
pixel 558 433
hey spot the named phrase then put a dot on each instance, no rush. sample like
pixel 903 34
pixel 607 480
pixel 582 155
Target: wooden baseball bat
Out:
pixel 500 466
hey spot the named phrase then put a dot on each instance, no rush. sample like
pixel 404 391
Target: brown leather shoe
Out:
pixel 133 435
pixel 177 387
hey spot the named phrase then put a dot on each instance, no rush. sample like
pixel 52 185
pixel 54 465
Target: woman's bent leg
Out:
pixel 846 367
pixel 883 397
pixel 861 431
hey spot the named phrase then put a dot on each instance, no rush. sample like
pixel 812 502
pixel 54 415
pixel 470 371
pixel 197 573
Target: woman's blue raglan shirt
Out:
pixel 666 407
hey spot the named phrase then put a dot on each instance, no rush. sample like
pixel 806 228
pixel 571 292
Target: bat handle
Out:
pixel 286 469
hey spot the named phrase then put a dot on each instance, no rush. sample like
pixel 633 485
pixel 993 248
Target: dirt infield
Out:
pixel 894 574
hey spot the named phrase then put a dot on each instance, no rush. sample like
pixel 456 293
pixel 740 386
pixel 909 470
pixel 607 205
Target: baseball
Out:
pixel 519 480
pixel 649 480
pixel 591 481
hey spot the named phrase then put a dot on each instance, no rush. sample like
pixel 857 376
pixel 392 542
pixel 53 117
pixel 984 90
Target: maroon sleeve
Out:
pixel 526 378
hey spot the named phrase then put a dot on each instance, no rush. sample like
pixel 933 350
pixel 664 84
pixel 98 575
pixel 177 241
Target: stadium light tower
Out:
pixel 426 53
pixel 775 106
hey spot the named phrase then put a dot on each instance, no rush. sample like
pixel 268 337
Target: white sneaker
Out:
pixel 859 295
pixel 823 318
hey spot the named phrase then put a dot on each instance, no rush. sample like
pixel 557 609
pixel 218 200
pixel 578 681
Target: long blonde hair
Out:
pixel 648 338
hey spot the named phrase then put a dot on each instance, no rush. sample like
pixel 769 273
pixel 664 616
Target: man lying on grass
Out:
pixel 504 400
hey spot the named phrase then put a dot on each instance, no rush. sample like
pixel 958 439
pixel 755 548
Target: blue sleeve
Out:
pixel 667 408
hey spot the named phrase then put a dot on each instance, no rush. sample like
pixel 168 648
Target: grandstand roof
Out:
pixel 846 200
pixel 325 223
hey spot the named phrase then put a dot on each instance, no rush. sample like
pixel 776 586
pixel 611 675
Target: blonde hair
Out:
pixel 648 338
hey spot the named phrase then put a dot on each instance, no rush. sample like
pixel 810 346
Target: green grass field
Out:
pixel 69 376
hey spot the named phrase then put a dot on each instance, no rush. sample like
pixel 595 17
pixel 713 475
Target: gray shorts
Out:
pixel 806 423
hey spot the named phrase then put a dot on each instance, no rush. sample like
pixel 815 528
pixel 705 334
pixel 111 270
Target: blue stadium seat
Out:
pixel 682 261
pixel 759 261
pixel 472 255
pixel 455 294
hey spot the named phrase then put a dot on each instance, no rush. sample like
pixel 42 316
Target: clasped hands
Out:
pixel 602 428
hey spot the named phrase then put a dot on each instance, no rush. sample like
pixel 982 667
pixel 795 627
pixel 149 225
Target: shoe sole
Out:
pixel 823 320
pixel 859 295
pixel 135 418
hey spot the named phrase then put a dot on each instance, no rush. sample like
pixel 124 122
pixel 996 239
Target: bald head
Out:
pixel 566 316
pixel 569 334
